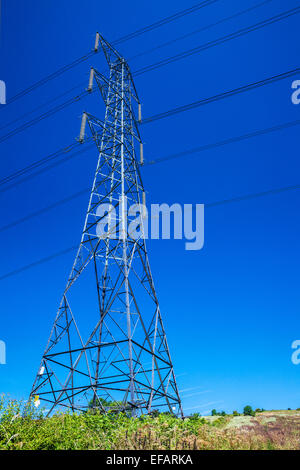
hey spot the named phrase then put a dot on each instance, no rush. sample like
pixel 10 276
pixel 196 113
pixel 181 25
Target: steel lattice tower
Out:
pixel 123 364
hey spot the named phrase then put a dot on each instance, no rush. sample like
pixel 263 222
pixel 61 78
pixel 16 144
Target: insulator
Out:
pixel 97 42
pixel 91 80
pixel 141 153
pixel 140 112
pixel 82 129
pixel 144 205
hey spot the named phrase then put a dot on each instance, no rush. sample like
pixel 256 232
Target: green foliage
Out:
pixel 22 426
pixel 214 412
pixel 248 411
pixel 235 413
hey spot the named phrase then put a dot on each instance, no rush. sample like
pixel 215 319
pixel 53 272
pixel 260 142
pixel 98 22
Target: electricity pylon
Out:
pixel 108 348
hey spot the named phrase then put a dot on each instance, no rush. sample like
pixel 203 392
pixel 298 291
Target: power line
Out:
pixel 38 163
pixel 168 113
pixel 164 21
pixel 53 75
pixel 197 31
pixel 64 150
pixel 212 204
pixel 222 143
pixel 43 170
pixel 45 209
pixel 200 149
pixel 254 195
pixel 155 66
pixel 83 58
pixel 44 160
pixel 43 116
pixel 42 106
pixel 220 96
pixel 151 119
pixel 165 61
pixel 37 263
pixel 217 42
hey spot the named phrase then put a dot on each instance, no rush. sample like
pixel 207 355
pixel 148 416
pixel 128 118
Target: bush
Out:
pixel 195 416
pixel 24 427
pixel 235 413
pixel 155 413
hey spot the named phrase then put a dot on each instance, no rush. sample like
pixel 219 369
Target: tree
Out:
pixel 235 413
pixel 98 403
pixel 102 405
pixel 248 411
pixel 214 412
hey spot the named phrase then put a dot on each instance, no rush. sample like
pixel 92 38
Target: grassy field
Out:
pixel 29 430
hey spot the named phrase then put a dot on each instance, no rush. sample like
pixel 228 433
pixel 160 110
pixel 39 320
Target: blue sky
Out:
pixel 231 310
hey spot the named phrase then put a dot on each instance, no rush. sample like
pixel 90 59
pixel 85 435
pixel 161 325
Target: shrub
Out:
pixel 195 416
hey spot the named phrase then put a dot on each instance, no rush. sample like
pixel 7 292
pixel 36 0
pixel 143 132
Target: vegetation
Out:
pixel 22 426
pixel 217 413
